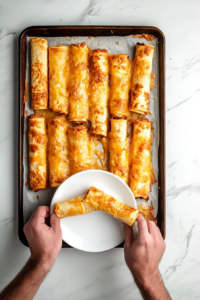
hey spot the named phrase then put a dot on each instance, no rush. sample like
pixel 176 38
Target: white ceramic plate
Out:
pixel 96 231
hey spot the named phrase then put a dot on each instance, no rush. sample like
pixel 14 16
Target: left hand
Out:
pixel 45 242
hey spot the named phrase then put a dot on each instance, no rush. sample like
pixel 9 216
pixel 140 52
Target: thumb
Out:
pixel 128 232
pixel 54 221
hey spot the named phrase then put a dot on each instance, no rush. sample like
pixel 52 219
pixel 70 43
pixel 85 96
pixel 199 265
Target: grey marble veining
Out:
pixel 79 275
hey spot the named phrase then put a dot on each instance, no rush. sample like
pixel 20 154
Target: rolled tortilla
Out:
pixel 119 85
pixel 142 68
pixel 118 159
pixel 120 211
pixel 98 92
pixel 73 207
pixel 58 151
pixel 39 77
pixel 58 78
pixel 37 153
pixel 78 82
pixel 140 170
pixel 79 155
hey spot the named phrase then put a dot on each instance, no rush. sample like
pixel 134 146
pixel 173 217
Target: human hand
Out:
pixel 45 242
pixel 144 254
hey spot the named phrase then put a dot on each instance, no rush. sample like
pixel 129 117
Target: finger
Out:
pixel 25 228
pixel 28 223
pixel 152 228
pixel 128 232
pixel 159 232
pixel 158 229
pixel 158 239
pixel 42 213
pixel 54 222
pixel 142 228
pixel 32 216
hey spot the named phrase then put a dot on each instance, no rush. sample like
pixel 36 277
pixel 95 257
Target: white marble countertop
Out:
pixel 79 275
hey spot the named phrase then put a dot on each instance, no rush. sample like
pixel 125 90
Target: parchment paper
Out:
pixel 127 45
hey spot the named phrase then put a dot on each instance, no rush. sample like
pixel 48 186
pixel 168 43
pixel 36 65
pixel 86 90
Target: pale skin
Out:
pixel 142 257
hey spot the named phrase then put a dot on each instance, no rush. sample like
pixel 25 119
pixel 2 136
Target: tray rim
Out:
pixel 136 30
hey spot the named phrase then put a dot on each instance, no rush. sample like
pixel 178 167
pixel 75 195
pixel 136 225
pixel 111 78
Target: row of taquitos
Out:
pixel 83 92
pixel 68 153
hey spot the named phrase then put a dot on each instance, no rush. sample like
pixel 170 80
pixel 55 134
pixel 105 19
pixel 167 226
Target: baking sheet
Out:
pixel 114 45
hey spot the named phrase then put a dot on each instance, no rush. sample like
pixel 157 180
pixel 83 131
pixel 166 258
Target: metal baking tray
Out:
pixel 94 31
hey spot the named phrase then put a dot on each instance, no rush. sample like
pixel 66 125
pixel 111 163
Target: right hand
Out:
pixel 144 254
pixel 45 242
